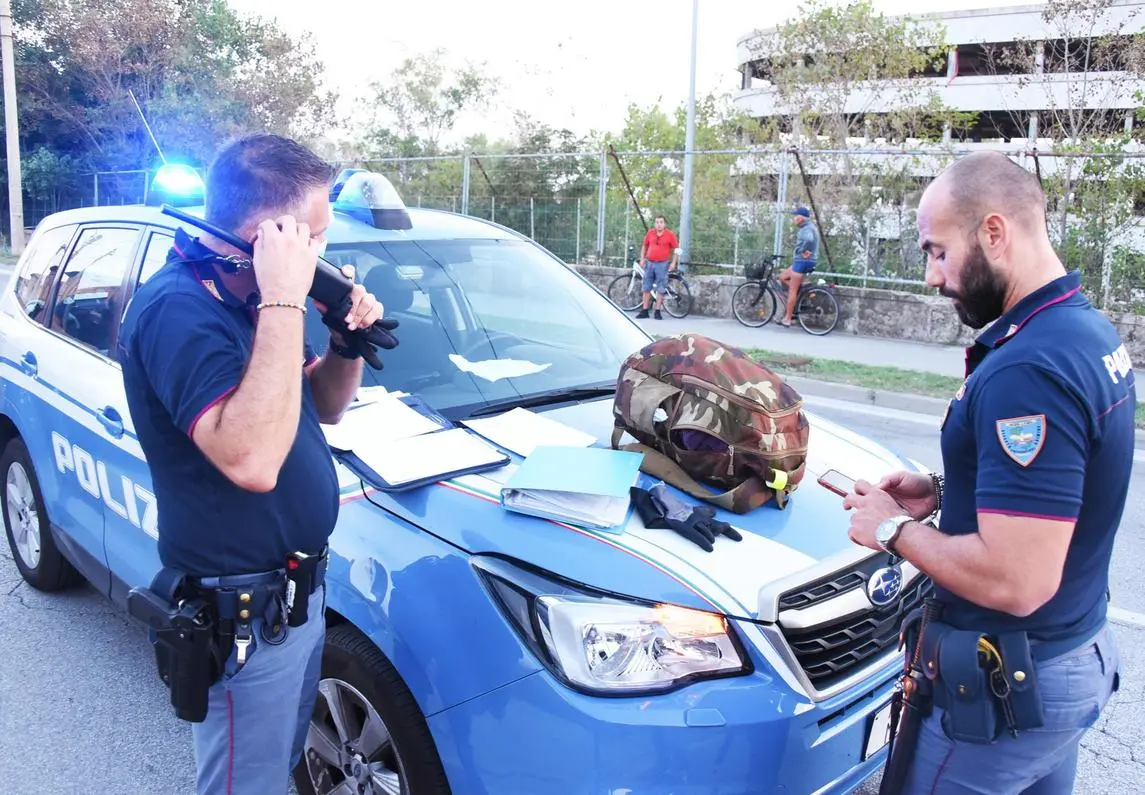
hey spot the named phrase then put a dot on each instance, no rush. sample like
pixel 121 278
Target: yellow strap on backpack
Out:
pixel 778 480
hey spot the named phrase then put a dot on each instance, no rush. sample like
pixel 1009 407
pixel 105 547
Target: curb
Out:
pixel 917 404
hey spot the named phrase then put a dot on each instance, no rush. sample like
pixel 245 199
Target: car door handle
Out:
pixel 110 420
pixel 29 364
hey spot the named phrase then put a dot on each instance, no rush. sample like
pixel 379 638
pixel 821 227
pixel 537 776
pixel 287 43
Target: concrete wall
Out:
pixel 871 313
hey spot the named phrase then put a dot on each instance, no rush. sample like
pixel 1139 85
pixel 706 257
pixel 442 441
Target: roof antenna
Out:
pixel 147 126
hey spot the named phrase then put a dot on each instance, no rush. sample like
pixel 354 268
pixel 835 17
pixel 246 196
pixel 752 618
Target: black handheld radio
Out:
pixel 331 288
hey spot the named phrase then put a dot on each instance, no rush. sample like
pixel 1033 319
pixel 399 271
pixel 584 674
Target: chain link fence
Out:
pixel 595 207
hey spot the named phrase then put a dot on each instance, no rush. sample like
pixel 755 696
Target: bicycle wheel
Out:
pixel 817 311
pixel 753 304
pixel 678 300
pixel 626 292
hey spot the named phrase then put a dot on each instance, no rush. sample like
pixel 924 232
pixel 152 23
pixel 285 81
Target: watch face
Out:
pixel 886 530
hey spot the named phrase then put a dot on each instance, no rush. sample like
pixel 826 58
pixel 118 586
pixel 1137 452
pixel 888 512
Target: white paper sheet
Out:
pixel 521 431
pixel 415 458
pixel 496 369
pixel 383 420
pixel 368 394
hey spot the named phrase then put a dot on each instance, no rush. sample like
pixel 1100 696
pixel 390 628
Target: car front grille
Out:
pixel 834 630
pixel 832 585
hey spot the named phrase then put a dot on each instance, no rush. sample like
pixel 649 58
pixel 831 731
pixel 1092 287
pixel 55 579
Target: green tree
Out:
pixel 732 201
pixel 200 71
pixel 421 102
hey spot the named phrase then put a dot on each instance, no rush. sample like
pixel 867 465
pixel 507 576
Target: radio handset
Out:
pixel 330 287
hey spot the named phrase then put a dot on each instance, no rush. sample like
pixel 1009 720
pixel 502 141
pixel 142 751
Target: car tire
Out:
pixel 354 668
pixel 26 522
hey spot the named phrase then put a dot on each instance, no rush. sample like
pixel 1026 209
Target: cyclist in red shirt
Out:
pixel 658 257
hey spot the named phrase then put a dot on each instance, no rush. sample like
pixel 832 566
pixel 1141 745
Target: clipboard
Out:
pixel 479 455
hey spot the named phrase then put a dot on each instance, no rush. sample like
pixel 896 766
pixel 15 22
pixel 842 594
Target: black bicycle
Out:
pixel 754 302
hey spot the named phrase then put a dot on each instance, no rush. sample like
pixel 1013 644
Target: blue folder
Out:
pixel 582 486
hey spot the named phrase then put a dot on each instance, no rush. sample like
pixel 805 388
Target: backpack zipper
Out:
pixel 738 399
pixel 734 447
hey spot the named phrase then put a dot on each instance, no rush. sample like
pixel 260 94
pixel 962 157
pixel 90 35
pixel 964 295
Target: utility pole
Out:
pixel 689 145
pixel 11 130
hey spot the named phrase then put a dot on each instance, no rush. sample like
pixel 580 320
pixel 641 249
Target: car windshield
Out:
pixel 484 322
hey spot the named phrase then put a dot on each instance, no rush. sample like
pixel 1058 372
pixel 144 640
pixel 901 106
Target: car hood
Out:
pixel 655 564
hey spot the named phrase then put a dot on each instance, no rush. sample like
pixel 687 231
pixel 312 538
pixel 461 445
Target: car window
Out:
pixel 158 246
pixel 483 320
pixel 89 300
pixel 34 284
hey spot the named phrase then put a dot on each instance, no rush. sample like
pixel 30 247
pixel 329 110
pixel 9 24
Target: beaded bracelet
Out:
pixel 287 304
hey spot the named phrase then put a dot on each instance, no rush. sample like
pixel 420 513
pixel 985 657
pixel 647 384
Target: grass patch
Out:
pixel 892 379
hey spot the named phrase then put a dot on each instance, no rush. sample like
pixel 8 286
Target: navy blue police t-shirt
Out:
pixel 184 346
pixel 1044 427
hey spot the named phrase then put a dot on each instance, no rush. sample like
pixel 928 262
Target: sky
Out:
pixel 575 65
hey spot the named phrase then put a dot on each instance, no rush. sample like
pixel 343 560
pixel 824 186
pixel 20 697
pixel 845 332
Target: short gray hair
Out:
pixel 259 174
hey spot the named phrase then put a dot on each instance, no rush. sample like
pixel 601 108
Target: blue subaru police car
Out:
pixel 469 649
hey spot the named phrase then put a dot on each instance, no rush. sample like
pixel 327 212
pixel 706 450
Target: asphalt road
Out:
pixel 81 710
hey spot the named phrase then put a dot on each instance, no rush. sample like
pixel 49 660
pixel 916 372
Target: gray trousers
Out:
pixel 1075 688
pixel 257 719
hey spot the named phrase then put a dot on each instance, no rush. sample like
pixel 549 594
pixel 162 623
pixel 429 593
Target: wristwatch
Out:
pixel 888 532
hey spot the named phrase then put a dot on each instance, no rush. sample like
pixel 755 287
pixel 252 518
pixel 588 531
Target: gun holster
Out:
pixel 183 634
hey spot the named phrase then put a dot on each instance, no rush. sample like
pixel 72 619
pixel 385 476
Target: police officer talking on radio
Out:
pixel 227 398
pixel 1037 447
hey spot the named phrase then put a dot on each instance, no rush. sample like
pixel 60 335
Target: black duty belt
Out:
pixel 196 622
pixel 271 595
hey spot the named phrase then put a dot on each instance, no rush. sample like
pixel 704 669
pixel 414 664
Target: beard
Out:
pixel 983 293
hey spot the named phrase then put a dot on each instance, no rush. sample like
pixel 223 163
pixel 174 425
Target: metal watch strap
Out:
pixel 889 546
pixel 939 482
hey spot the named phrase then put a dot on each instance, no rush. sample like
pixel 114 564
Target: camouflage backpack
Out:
pixel 704 411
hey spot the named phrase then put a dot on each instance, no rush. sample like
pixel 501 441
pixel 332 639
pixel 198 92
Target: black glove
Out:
pixel 699 525
pixel 704 518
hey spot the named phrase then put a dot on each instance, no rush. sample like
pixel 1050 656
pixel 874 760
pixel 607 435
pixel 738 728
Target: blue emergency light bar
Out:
pixel 176 184
pixel 370 198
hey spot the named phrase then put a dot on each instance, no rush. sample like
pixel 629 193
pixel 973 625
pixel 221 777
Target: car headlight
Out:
pixel 605 644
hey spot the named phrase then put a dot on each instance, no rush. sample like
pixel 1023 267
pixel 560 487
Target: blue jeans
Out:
pixel 257 719
pixel 656 276
pixel 1075 688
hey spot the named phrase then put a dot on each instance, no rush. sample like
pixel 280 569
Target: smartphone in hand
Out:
pixel 836 481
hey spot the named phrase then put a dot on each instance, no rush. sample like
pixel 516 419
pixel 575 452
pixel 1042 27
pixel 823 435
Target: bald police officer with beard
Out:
pixel 1037 448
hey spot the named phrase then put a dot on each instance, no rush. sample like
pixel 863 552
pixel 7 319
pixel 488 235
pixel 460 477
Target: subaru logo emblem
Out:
pixel 884 586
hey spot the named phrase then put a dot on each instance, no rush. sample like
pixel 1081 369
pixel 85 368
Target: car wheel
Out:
pixel 26 522
pixel 367 735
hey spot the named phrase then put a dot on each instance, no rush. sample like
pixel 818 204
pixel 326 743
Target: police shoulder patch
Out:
pixel 1022 437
